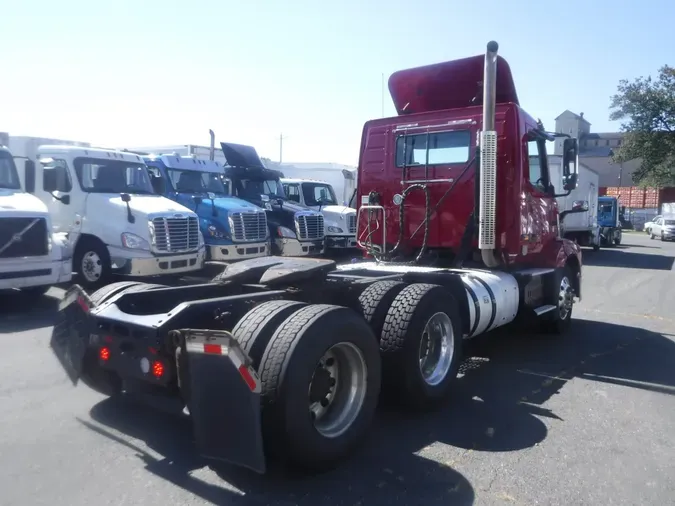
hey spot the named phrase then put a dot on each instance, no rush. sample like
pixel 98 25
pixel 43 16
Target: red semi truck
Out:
pixel 285 358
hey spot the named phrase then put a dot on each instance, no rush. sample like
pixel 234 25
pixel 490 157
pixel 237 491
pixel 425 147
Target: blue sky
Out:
pixel 122 73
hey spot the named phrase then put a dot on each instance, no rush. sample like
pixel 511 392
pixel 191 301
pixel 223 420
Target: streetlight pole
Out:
pixel 281 146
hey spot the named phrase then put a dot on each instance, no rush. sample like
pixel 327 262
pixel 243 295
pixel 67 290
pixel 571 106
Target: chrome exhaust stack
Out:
pixel 488 161
pixel 212 147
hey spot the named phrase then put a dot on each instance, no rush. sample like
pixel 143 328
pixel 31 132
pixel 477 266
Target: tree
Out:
pixel 648 107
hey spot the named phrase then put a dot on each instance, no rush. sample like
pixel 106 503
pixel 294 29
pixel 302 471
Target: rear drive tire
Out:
pixel 330 353
pixel 559 320
pixel 421 345
pixel 375 301
pixel 254 331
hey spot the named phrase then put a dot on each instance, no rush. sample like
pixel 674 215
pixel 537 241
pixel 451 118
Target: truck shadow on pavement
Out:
pixel 20 312
pixel 628 259
pixel 498 407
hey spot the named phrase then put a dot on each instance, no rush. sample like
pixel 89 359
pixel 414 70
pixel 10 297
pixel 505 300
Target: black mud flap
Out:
pixel 70 335
pixel 224 399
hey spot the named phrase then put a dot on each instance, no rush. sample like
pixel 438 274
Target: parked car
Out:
pixel 648 225
pixel 663 227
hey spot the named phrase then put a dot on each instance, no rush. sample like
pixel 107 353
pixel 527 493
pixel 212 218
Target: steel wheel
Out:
pixel 337 389
pixel 436 349
pixel 565 298
pixel 92 266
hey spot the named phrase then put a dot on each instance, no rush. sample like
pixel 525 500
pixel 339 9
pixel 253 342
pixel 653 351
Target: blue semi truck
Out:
pixel 609 221
pixel 233 229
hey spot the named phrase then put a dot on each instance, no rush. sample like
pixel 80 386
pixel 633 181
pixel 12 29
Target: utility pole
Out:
pixel 281 146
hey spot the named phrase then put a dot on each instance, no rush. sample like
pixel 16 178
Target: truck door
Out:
pixel 55 187
pixel 541 210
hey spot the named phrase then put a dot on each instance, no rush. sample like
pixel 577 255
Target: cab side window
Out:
pixel 292 192
pixel 538 174
pixel 56 176
pixel 157 180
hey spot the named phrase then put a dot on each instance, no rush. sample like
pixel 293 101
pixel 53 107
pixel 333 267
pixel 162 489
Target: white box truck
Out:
pixel 580 227
pixel 104 201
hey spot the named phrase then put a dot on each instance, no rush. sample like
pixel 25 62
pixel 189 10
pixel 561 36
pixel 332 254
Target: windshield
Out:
pixel 606 209
pixel 318 194
pixel 9 178
pixel 112 176
pixel 252 188
pixel 192 181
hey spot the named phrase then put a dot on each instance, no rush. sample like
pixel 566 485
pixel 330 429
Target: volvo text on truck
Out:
pixel 296 230
pixel 339 220
pixel 285 358
pixel 32 257
pixel 233 229
pixel 103 200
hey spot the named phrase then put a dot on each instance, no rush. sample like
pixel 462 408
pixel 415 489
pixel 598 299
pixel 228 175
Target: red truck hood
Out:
pixel 448 85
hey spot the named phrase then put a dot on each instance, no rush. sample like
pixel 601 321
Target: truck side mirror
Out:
pixel 580 206
pixel 29 176
pixel 570 162
pixel 50 181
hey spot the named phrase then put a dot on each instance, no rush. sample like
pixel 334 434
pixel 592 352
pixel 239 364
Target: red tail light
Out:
pixel 104 353
pixel 157 369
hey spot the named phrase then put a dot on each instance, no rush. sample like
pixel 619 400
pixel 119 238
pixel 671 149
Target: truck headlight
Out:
pixel 286 232
pixel 133 241
pixel 213 231
pixel 334 230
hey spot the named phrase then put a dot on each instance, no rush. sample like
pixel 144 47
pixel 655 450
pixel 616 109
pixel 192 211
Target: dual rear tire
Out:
pixel 322 366
pixel 320 373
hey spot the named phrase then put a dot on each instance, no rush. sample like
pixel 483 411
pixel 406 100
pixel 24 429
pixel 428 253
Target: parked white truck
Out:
pixel 580 227
pixel 339 220
pixel 104 201
pixel 32 258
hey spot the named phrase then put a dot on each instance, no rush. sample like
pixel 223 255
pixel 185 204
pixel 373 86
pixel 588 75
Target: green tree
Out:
pixel 647 107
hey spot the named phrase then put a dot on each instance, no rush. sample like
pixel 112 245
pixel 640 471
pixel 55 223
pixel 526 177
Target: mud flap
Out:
pixel 224 399
pixel 70 335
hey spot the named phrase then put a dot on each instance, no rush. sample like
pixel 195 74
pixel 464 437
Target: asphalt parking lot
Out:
pixel 585 419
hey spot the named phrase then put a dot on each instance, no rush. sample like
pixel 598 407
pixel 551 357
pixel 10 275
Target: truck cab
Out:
pixel 104 201
pixel 296 230
pixel 426 193
pixel 339 220
pixel 233 229
pixel 609 220
pixel 32 257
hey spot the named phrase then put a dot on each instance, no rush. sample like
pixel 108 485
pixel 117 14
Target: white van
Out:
pixel 104 201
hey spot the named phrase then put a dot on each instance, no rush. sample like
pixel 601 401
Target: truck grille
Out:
pixel 351 223
pixel 175 235
pixel 23 237
pixel 249 226
pixel 309 227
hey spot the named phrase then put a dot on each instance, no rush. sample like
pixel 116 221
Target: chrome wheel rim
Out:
pixel 437 348
pixel 92 266
pixel 565 298
pixel 337 389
